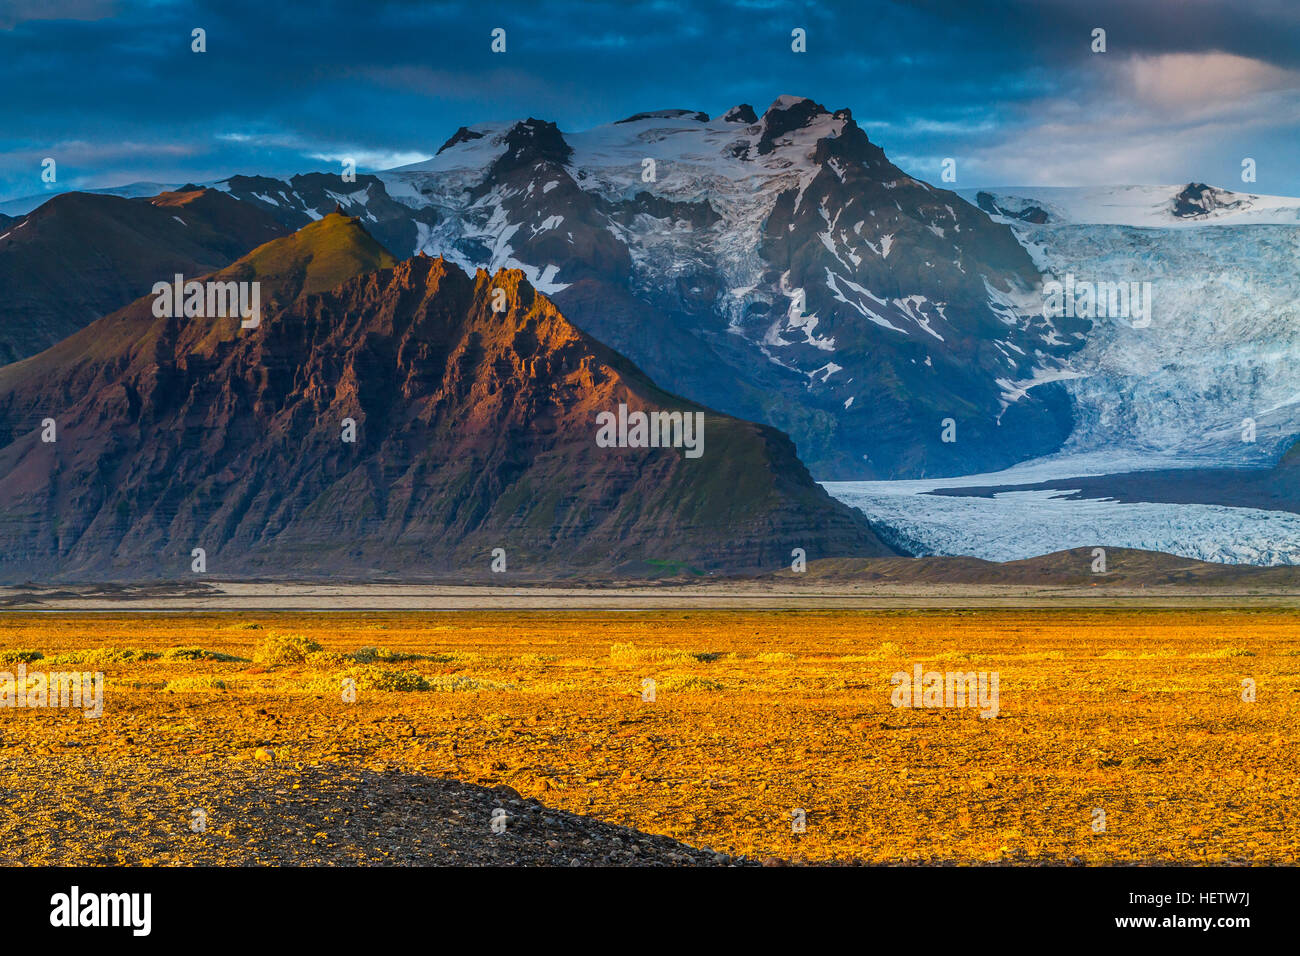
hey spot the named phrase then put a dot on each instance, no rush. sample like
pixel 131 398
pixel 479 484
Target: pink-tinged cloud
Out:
pixel 1199 81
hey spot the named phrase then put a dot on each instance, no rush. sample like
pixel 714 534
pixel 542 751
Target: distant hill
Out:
pixel 81 255
pixel 301 199
pixel 1125 567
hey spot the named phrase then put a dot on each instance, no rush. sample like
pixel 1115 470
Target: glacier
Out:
pixel 1011 525
pixel 1221 349
pixel 1224 337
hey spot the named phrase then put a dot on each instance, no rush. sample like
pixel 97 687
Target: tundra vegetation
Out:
pixel 1180 726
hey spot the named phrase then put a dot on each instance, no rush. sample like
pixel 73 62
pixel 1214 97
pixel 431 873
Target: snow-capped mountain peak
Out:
pixel 784 247
pixel 776 266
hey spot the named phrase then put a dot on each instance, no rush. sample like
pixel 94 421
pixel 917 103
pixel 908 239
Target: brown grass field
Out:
pixel 1138 713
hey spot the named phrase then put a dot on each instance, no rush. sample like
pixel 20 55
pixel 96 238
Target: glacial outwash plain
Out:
pixel 1149 720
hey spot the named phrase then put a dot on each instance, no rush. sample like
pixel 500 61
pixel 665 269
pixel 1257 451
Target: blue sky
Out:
pixel 1185 91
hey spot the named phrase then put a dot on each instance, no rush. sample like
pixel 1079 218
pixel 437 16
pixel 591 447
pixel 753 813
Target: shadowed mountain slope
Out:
pixel 81 255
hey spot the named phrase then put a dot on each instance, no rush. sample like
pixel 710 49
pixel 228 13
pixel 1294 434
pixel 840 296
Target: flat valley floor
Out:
pixel 1123 735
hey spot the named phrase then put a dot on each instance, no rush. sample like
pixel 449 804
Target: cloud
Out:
pixel 1196 81
pixel 364 156
pixel 1152 131
pixel 993 83
pixel 14 12
pixel 371 159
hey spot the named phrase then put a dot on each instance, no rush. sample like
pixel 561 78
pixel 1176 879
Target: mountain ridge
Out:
pixel 81 255
pixel 652 269
pixel 474 430
pixel 910 310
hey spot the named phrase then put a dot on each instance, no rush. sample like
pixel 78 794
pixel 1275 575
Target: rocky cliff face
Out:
pixel 473 403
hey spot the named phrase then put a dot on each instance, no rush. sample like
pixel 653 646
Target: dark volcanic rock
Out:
pixel 530 142
pixel 667 114
pixel 462 135
pixel 1198 200
pixel 744 113
pixel 699 215
pixel 1192 201
pixel 781 119
pixel 1032 214
pixel 535 187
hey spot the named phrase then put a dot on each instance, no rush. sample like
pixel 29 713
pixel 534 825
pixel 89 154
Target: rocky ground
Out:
pixel 85 813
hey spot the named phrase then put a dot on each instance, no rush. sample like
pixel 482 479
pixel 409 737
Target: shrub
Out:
pixel 26 657
pixel 459 682
pixel 372 655
pixel 328 659
pixel 375 677
pixel 198 654
pixel 690 682
pixel 278 649
pixel 628 653
pixel 102 656
pixel 184 684
pixel 381 678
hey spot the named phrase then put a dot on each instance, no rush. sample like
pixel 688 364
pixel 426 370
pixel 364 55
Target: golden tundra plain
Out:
pixel 1122 735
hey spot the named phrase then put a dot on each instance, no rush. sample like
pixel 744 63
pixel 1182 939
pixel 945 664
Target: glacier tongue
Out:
pixel 1021 524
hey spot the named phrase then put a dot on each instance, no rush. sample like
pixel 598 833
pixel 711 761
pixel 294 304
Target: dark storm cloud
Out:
pixel 1267 30
pixel 113 92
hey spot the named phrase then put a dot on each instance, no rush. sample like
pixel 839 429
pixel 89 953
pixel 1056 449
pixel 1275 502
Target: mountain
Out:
pixel 777 267
pixel 24 204
pixel 475 429
pixel 310 196
pixel 81 255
